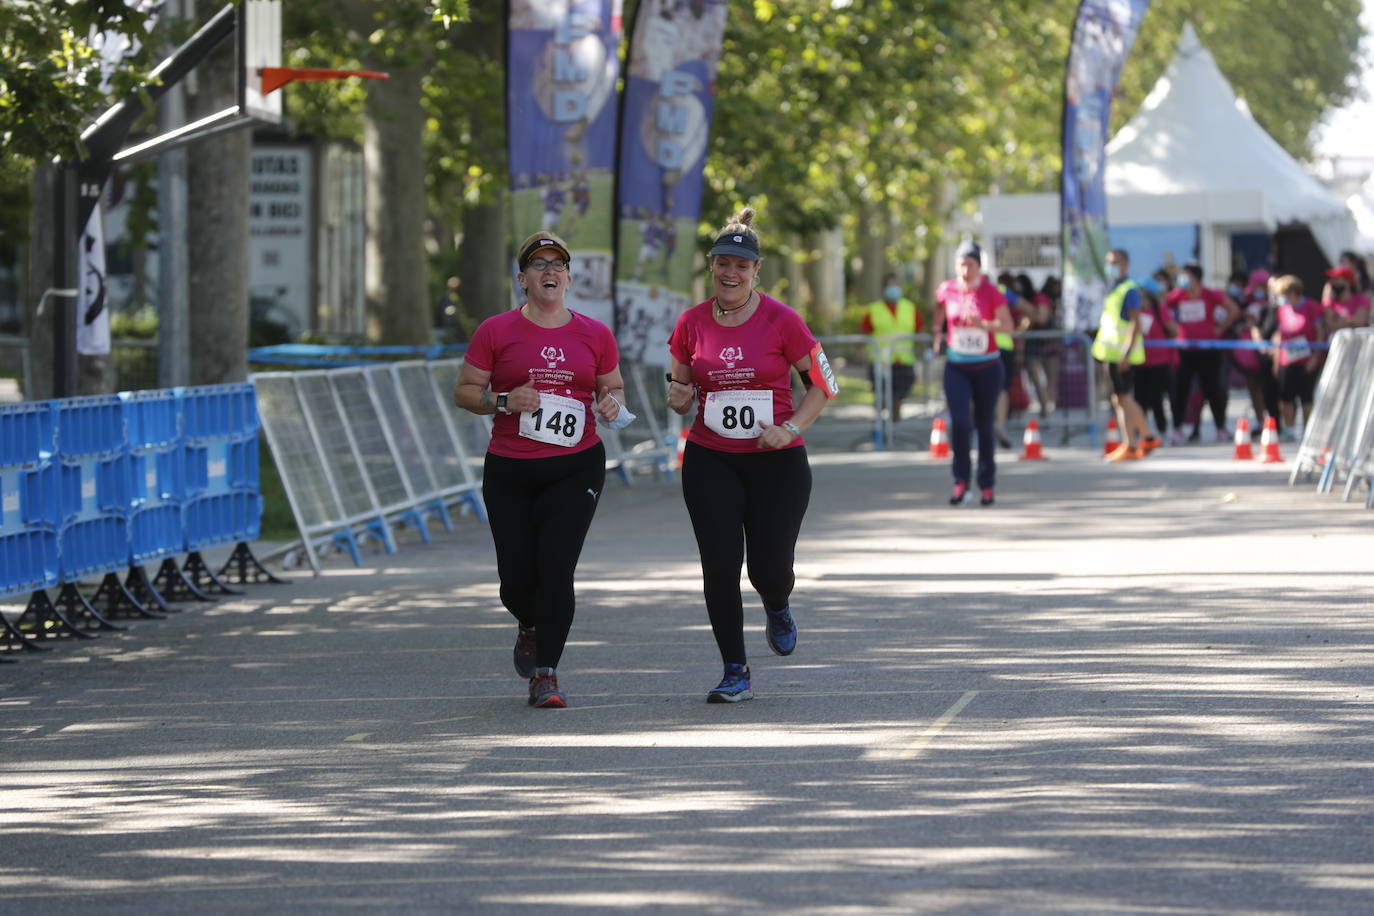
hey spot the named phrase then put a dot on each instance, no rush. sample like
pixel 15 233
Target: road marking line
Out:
pixel 937 726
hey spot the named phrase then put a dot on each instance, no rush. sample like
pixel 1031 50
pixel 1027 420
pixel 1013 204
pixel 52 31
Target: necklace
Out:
pixel 723 310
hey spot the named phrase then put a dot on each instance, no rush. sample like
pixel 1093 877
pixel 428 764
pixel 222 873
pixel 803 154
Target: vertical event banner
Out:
pixel 670 87
pixel 1103 35
pixel 561 125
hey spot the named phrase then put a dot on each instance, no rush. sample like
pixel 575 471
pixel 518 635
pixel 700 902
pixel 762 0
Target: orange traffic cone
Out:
pixel 1243 451
pixel 1031 443
pixel 939 440
pixel 1113 439
pixel 1269 442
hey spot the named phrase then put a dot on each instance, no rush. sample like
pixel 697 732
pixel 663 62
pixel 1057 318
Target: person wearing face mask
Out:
pixel 1120 346
pixel 547 376
pixel 895 315
pixel 1200 314
pixel 1298 323
pixel 1345 305
pixel 745 475
pixel 972 312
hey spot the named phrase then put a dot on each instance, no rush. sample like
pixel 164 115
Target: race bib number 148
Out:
pixel 558 421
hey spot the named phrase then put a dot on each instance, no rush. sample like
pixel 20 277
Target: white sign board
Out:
pixel 279 219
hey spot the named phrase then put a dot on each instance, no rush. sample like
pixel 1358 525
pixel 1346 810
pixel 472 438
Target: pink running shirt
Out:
pixel 954 299
pixel 756 356
pixel 1195 312
pixel 562 361
pixel 1296 323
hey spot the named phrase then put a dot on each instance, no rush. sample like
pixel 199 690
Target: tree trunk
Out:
pixel 398 294
pixel 873 234
pixel 38 328
pixel 484 260
pixel 217 180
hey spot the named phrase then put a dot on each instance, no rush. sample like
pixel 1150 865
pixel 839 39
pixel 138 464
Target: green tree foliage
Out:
pixel 50 88
pixel 824 104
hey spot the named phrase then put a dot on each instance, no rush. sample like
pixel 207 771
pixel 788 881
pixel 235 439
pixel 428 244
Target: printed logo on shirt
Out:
pixel 731 355
pixel 553 355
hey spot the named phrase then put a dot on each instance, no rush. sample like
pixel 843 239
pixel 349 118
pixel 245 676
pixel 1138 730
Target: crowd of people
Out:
pixel 1186 363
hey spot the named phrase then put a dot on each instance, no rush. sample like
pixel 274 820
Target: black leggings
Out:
pixel 1151 391
pixel 1205 366
pixel 755 498
pixel 539 511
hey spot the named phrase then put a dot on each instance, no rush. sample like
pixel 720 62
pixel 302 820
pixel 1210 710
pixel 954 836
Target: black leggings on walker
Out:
pixel 539 511
pixel 753 499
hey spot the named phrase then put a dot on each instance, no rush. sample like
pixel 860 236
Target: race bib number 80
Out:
pixel 558 421
pixel 739 414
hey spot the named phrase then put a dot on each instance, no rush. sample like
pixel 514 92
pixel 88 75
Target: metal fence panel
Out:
pixel 362 418
pixel 436 436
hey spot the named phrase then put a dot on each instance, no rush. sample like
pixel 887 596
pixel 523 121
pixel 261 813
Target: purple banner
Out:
pixel 1103 35
pixel 561 130
pixel 670 88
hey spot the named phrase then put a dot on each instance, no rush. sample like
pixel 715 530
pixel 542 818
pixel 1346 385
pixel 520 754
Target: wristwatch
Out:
pixel 501 402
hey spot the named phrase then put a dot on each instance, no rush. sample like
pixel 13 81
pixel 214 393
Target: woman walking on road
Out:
pixel 745 476
pixel 546 375
pixel 974 312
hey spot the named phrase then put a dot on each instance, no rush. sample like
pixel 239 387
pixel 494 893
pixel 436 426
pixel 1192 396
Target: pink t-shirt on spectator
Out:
pixel 1152 328
pixel 1349 307
pixel 1298 322
pixel 755 356
pixel 959 304
pixel 1195 312
pixel 564 361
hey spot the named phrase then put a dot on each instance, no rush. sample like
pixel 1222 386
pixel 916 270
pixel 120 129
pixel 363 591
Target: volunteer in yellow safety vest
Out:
pixel 1120 345
pixel 895 314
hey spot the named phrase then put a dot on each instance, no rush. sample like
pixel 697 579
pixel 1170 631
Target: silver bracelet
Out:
pixel 791 427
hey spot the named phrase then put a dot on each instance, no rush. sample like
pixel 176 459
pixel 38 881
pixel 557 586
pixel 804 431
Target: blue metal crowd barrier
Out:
pixel 91 486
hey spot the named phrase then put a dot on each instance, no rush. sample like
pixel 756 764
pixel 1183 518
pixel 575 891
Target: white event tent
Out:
pixel 1193 154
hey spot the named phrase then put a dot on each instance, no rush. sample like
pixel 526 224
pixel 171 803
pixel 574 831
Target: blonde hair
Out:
pixel 741 223
pixel 1288 285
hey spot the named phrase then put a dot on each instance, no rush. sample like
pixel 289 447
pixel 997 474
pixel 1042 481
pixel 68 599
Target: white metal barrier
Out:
pixel 1338 439
pixel 361 450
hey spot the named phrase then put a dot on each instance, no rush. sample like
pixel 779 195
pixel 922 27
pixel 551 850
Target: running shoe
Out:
pixel 524 652
pixel 733 687
pixel 781 631
pixel 1125 453
pixel 1149 444
pixel 544 690
pixel 1175 437
pixel 956 498
pixel 985 498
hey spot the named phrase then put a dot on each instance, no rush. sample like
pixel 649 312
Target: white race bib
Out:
pixel 968 341
pixel 1191 310
pixel 1147 321
pixel 739 414
pixel 558 421
pixel 1297 349
pixel 1218 313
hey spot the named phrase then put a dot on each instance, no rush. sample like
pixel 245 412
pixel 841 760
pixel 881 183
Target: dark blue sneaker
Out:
pixel 733 687
pixel 781 631
pixel 524 652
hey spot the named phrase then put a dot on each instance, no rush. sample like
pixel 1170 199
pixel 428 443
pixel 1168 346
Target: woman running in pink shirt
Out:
pixel 546 375
pixel 745 476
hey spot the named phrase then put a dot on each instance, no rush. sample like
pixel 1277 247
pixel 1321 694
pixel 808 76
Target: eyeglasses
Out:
pixel 543 264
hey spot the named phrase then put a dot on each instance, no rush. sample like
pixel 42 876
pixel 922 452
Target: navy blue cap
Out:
pixel 740 244
pixel 968 248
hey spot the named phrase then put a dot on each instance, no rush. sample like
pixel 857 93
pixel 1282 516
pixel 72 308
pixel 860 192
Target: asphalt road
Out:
pixel 1123 689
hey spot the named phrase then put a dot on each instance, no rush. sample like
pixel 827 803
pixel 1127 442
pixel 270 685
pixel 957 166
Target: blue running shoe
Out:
pixel 733 687
pixel 781 631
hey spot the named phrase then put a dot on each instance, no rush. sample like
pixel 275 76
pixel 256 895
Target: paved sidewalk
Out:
pixel 1123 689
